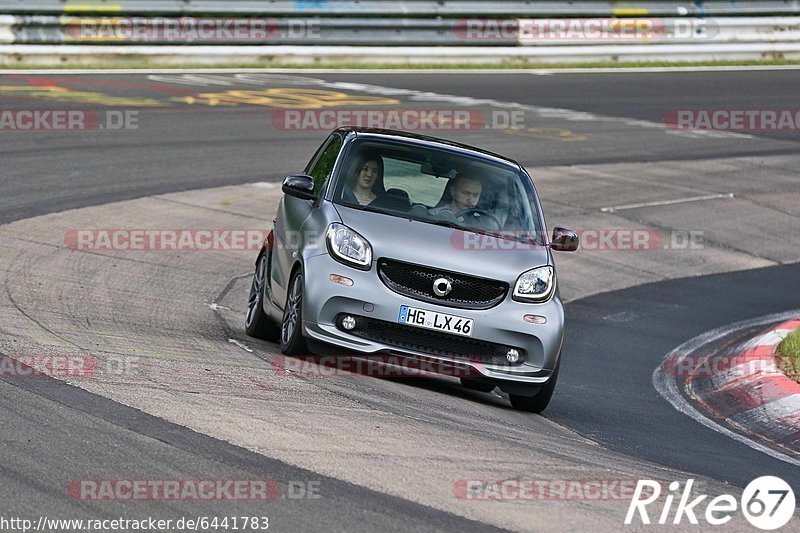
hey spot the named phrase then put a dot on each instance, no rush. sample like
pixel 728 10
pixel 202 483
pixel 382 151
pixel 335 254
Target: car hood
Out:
pixel 418 242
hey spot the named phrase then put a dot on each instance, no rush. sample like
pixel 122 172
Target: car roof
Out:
pixel 422 139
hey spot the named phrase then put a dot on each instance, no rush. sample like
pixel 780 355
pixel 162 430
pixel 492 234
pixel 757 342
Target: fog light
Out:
pixel 512 355
pixel 348 322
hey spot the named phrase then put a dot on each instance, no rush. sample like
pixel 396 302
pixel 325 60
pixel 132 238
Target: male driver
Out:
pixel 465 192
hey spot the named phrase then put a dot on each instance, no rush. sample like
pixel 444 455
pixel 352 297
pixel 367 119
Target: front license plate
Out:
pixel 423 318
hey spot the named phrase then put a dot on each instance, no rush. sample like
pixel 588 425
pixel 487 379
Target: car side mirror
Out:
pixel 564 240
pixel 300 186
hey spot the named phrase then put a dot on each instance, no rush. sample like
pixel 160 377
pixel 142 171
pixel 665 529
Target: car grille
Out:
pixel 416 282
pixel 430 342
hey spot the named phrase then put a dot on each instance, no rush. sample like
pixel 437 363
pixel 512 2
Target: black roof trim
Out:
pixel 424 138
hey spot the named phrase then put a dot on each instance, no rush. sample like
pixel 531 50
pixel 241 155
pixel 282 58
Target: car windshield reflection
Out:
pixel 440 187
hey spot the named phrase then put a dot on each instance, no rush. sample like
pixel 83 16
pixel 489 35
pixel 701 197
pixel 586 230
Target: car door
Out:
pixel 292 214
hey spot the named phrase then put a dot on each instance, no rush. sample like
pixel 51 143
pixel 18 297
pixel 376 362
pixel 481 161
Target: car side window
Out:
pixel 323 166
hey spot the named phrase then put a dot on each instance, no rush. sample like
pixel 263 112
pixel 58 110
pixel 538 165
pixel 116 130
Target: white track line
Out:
pixel 546 113
pixel 667 202
pixel 241 345
pixel 667 388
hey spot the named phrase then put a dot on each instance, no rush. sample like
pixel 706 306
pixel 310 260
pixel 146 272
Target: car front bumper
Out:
pixel 324 301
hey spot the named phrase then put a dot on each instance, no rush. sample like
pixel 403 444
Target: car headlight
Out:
pixel 535 285
pixel 348 247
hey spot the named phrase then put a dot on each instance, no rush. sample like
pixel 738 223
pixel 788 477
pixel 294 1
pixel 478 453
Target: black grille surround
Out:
pixel 430 342
pixel 415 281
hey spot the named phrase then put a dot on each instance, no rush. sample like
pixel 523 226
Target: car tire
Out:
pixel 538 402
pixel 477 385
pixel 256 322
pixel 292 340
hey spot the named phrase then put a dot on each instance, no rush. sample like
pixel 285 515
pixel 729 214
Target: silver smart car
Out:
pixel 425 249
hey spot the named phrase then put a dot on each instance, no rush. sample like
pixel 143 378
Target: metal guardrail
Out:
pixel 406 8
pixel 390 30
pixel 395 32
pixel 6 32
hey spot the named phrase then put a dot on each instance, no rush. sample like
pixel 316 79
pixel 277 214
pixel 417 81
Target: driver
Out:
pixel 465 191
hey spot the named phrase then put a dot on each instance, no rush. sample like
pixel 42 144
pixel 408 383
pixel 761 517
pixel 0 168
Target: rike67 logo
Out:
pixel 767 502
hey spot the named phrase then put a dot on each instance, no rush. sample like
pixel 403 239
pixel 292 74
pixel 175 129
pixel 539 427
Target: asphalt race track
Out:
pixel 385 454
pixel 136 163
pixel 624 415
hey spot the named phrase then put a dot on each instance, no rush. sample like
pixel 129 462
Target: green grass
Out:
pixel 127 63
pixel 788 355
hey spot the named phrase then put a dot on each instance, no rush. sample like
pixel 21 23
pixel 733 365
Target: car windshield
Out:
pixel 439 186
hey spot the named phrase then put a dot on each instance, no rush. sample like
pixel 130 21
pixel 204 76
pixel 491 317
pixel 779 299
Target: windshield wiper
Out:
pixel 365 208
pixel 509 237
pixel 445 223
pixel 452 225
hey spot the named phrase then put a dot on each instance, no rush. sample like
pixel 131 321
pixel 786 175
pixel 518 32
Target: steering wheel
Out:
pixel 479 217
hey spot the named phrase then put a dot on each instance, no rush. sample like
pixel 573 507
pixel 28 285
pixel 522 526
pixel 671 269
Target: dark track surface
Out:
pixel 615 341
pixel 644 95
pixel 189 147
